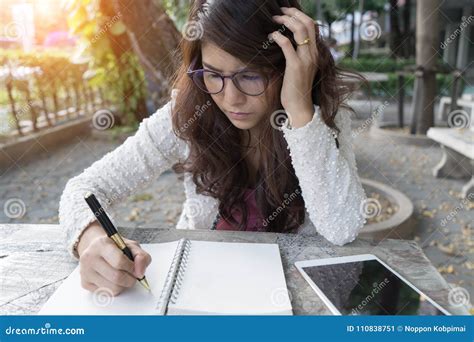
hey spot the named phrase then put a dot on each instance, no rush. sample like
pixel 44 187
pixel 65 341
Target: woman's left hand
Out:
pixel 301 65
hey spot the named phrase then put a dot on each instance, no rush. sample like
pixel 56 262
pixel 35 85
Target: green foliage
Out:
pixel 334 10
pixel 178 11
pixel 121 76
pixel 370 64
pixel 57 73
pixel 390 67
pixel 389 89
pixel 309 7
pixel 374 5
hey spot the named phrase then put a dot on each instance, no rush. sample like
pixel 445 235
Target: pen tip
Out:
pixel 145 284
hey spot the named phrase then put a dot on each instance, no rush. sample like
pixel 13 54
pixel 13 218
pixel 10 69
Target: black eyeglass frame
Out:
pixel 191 72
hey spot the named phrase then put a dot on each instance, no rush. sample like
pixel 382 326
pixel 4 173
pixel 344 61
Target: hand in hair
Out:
pixel 301 65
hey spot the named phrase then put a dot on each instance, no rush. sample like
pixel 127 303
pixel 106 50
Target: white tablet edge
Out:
pixel 351 258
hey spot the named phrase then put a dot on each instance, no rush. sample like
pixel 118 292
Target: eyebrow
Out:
pixel 206 65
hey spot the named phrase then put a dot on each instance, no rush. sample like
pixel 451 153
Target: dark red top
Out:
pixel 254 219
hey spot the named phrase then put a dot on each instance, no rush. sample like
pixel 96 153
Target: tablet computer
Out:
pixel 365 285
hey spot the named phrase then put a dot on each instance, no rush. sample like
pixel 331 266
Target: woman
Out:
pixel 254 131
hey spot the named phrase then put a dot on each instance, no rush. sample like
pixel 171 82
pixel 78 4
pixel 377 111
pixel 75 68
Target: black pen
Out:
pixel 111 231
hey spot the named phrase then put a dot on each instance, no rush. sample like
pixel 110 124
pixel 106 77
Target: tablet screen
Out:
pixel 368 288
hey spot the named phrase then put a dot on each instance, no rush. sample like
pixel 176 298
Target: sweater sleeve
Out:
pixel 328 178
pixel 139 160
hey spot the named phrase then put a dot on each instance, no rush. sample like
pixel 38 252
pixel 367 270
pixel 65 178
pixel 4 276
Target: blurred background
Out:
pixel 78 76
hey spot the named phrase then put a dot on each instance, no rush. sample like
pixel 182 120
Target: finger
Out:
pixel 101 282
pixel 303 17
pixel 115 257
pixel 88 286
pixel 286 46
pixel 313 31
pixel 142 260
pixel 119 277
pixel 296 26
pixel 300 33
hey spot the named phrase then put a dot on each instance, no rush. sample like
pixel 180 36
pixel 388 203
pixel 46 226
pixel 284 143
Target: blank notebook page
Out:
pixel 232 278
pixel 219 278
pixel 71 299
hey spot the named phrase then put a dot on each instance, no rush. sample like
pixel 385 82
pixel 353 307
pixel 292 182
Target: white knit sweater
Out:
pixel 328 178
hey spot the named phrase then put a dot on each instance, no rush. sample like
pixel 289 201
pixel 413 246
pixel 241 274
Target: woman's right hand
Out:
pixel 103 265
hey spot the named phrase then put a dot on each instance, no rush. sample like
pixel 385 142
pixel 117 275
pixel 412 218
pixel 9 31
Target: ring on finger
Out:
pixel 305 42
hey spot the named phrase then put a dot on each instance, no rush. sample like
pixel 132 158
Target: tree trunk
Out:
pixel 395 35
pixel 427 14
pixel 406 30
pixel 9 85
pixel 352 46
pixel 154 38
pixel 120 45
pixel 359 38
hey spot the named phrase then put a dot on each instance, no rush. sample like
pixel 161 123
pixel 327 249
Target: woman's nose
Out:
pixel 231 93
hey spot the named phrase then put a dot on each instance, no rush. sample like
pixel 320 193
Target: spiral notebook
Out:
pixel 189 277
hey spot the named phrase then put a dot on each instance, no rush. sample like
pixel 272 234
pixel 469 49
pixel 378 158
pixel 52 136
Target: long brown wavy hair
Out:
pixel 218 169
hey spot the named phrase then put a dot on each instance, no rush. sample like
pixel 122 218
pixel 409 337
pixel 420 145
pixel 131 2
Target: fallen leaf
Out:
pixel 428 213
pixel 133 214
pixel 142 197
pixel 447 249
pixel 446 269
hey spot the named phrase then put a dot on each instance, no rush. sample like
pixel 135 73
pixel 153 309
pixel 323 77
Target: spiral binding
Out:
pixel 174 278
pixel 178 281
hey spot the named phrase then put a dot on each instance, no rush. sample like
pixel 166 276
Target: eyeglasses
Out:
pixel 250 83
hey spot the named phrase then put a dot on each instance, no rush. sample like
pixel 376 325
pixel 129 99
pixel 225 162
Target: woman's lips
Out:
pixel 239 115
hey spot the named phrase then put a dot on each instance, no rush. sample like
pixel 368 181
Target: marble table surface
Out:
pixel 34 262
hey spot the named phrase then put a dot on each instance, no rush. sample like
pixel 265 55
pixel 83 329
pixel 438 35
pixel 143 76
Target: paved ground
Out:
pixel 39 185
pixel 445 221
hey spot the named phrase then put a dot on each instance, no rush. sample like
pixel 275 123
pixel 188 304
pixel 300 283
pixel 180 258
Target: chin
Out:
pixel 243 124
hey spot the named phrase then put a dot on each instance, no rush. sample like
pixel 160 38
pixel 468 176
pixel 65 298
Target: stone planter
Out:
pixel 380 131
pixel 400 225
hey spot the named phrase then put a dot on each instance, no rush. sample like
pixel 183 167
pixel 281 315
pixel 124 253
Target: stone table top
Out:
pixel 34 262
